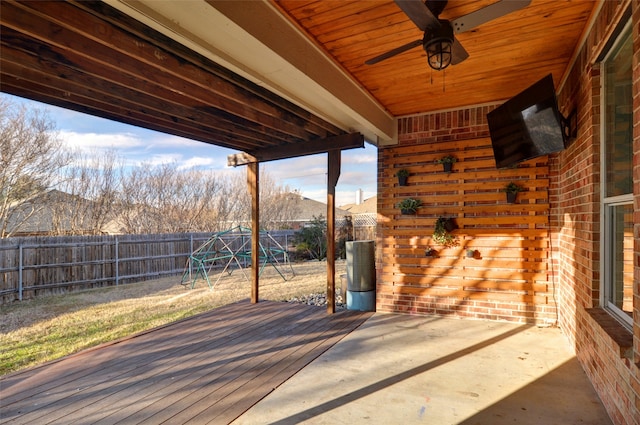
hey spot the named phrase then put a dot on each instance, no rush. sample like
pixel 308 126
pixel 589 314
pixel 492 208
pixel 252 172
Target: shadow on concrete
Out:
pixel 385 383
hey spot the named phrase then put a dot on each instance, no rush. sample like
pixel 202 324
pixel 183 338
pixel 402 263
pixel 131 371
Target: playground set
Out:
pixel 231 250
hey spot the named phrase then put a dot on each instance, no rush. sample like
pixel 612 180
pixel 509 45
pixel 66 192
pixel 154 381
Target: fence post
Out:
pixel 190 254
pixel 20 265
pixel 117 264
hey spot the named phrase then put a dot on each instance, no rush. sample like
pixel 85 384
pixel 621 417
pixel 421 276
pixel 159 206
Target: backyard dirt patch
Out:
pixel 40 330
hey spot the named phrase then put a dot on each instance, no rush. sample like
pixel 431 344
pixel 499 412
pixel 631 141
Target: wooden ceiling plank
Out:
pixel 323 12
pixel 374 14
pixel 376 42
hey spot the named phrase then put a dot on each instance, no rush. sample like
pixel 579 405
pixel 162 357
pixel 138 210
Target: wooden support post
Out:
pixel 253 182
pixel 332 181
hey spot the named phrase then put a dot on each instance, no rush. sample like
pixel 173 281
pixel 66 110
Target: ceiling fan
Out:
pixel 438 41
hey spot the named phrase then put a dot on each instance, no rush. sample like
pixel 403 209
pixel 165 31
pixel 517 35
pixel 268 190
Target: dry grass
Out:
pixel 36 331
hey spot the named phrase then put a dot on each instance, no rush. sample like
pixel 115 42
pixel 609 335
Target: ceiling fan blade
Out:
pixel 418 12
pixel 394 52
pixel 486 14
pixel 458 53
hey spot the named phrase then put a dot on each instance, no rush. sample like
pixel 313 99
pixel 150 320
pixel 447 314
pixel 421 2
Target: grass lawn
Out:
pixel 36 331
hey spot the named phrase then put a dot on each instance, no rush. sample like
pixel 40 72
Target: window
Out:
pixel 617 176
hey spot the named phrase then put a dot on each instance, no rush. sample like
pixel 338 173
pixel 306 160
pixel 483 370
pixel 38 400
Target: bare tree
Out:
pixel 278 204
pixel 31 158
pixel 91 183
pixel 164 199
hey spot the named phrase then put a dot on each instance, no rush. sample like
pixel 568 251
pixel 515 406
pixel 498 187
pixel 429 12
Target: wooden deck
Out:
pixel 206 369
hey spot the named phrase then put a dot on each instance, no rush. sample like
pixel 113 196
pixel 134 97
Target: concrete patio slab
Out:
pixel 400 369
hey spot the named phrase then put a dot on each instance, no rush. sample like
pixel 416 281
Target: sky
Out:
pixel 307 174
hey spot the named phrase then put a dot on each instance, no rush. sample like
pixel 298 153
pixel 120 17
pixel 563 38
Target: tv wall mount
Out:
pixel 570 125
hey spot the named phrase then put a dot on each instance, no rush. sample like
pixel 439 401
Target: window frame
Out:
pixel 608 203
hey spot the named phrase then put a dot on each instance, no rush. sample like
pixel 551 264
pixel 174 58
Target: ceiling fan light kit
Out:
pixel 438 46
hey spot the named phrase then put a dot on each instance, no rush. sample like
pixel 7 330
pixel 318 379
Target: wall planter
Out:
pixel 450 224
pixel 447 163
pixel 409 205
pixel 403 176
pixel 512 190
pixel 443 236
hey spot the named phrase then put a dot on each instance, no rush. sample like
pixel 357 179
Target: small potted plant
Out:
pixel 440 233
pixel 402 174
pixel 430 252
pixel 512 190
pixel 449 224
pixel 447 162
pixel 409 205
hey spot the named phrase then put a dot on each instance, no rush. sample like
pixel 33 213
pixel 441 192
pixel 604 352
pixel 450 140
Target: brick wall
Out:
pixel 607 351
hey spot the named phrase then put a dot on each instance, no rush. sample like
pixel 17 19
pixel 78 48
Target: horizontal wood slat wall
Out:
pixel 509 278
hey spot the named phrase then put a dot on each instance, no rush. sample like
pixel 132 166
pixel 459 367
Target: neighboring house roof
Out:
pixel 35 215
pixel 307 209
pixel 368 206
pixel 50 212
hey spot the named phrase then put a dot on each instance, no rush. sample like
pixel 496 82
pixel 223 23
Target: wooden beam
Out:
pixel 332 180
pixel 253 182
pixel 241 158
pixel 329 144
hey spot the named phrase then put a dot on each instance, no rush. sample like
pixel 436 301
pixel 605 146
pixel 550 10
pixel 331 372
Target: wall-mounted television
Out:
pixel 527 126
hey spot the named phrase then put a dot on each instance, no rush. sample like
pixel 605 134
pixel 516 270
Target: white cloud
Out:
pixel 164 158
pixel 362 158
pixel 308 170
pixel 196 161
pixel 317 194
pixel 87 142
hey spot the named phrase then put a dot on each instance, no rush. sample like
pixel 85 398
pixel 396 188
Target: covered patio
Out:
pixel 276 79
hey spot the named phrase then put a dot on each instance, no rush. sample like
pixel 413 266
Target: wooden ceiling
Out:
pixel 285 76
pixel 505 55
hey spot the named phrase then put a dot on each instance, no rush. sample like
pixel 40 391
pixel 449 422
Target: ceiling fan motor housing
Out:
pixel 437 42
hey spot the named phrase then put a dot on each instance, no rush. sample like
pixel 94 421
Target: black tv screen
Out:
pixel 527 126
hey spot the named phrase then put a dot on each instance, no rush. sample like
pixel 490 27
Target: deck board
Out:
pixel 209 368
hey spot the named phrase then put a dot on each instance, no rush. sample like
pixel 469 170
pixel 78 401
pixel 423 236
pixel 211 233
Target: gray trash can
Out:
pixel 361 276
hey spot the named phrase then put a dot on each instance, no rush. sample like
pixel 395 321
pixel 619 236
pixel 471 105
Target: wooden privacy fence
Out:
pixel 364 226
pixel 30 267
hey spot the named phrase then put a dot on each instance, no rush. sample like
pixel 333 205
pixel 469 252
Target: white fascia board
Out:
pixel 270 52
